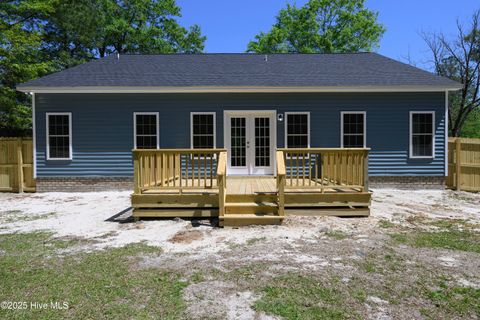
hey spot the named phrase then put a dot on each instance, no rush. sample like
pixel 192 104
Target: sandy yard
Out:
pixel 373 263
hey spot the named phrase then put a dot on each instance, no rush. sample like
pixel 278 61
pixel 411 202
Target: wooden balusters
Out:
pixel 175 169
pixel 320 168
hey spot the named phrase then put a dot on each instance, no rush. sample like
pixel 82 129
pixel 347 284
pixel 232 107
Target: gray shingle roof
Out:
pixel 239 70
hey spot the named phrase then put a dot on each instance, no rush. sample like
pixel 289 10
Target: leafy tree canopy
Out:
pixel 21 59
pixel 38 37
pixel 321 26
pixel 81 29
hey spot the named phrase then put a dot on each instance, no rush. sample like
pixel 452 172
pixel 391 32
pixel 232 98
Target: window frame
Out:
pixel 411 113
pixel 156 114
pixel 286 126
pixel 214 126
pixel 70 149
pixel 342 113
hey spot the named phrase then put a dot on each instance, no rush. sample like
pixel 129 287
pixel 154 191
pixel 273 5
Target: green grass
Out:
pixel 463 301
pixel 368 266
pixel 386 224
pixel 295 296
pixel 252 241
pixel 102 284
pixel 462 240
pixel 17 215
pixel 336 234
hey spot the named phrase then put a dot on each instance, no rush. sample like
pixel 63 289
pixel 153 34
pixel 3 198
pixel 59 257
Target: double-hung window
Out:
pixel 202 130
pixel 59 136
pixel 353 129
pixel 146 127
pixel 297 129
pixel 422 134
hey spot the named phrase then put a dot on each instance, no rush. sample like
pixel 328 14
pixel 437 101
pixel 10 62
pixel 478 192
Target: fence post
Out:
pixel 19 165
pixel 458 163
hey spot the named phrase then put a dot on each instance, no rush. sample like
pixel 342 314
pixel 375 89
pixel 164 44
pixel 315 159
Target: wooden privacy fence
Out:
pixel 16 165
pixel 464 164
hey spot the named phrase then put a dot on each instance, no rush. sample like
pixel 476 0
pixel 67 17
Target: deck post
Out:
pixel 222 182
pixel 281 179
pixel 458 163
pixel 365 171
pixel 136 172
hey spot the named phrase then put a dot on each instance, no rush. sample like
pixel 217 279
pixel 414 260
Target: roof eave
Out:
pixel 236 89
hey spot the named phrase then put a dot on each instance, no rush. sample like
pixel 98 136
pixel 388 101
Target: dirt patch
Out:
pixel 229 269
pixel 220 300
pixel 186 237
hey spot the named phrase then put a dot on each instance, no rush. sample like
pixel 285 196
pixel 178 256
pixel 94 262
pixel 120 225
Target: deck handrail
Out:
pixel 222 182
pixel 281 173
pixel 321 168
pixel 175 169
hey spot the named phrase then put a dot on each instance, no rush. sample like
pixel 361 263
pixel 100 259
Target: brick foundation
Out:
pixel 407 182
pixel 89 184
pixel 83 184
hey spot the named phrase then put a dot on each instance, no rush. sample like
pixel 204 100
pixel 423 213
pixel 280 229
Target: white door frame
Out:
pixel 250 168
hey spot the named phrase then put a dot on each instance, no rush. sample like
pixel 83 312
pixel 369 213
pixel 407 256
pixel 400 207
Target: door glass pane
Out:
pixel 262 142
pixel 238 137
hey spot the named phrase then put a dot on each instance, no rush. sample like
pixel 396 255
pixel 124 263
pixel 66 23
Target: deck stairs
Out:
pixel 251 209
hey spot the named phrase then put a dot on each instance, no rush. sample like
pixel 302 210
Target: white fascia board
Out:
pixel 245 89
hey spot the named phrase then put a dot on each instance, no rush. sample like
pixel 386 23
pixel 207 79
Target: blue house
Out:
pixel 88 119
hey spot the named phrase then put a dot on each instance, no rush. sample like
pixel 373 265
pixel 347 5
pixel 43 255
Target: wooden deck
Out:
pixel 177 191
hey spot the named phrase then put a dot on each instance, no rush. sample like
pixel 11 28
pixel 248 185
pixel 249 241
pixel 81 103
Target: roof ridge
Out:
pixel 234 53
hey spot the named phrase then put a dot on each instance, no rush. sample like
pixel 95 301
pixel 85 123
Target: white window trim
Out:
pixel 70 151
pixel 156 114
pixel 214 127
pixel 342 113
pixel 411 135
pixel 286 126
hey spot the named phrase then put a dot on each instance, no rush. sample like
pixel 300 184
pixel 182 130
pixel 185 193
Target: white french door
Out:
pixel 250 142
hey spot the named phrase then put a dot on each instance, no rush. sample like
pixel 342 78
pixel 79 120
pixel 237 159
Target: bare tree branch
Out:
pixel 459 59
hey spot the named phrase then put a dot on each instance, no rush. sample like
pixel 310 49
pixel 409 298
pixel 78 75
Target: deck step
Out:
pixel 250 207
pixel 236 220
pixel 256 197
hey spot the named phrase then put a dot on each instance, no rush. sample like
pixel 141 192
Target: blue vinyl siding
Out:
pixel 103 126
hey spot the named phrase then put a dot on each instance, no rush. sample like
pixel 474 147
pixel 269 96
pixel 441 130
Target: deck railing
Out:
pixel 322 168
pixel 175 169
pixel 281 174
